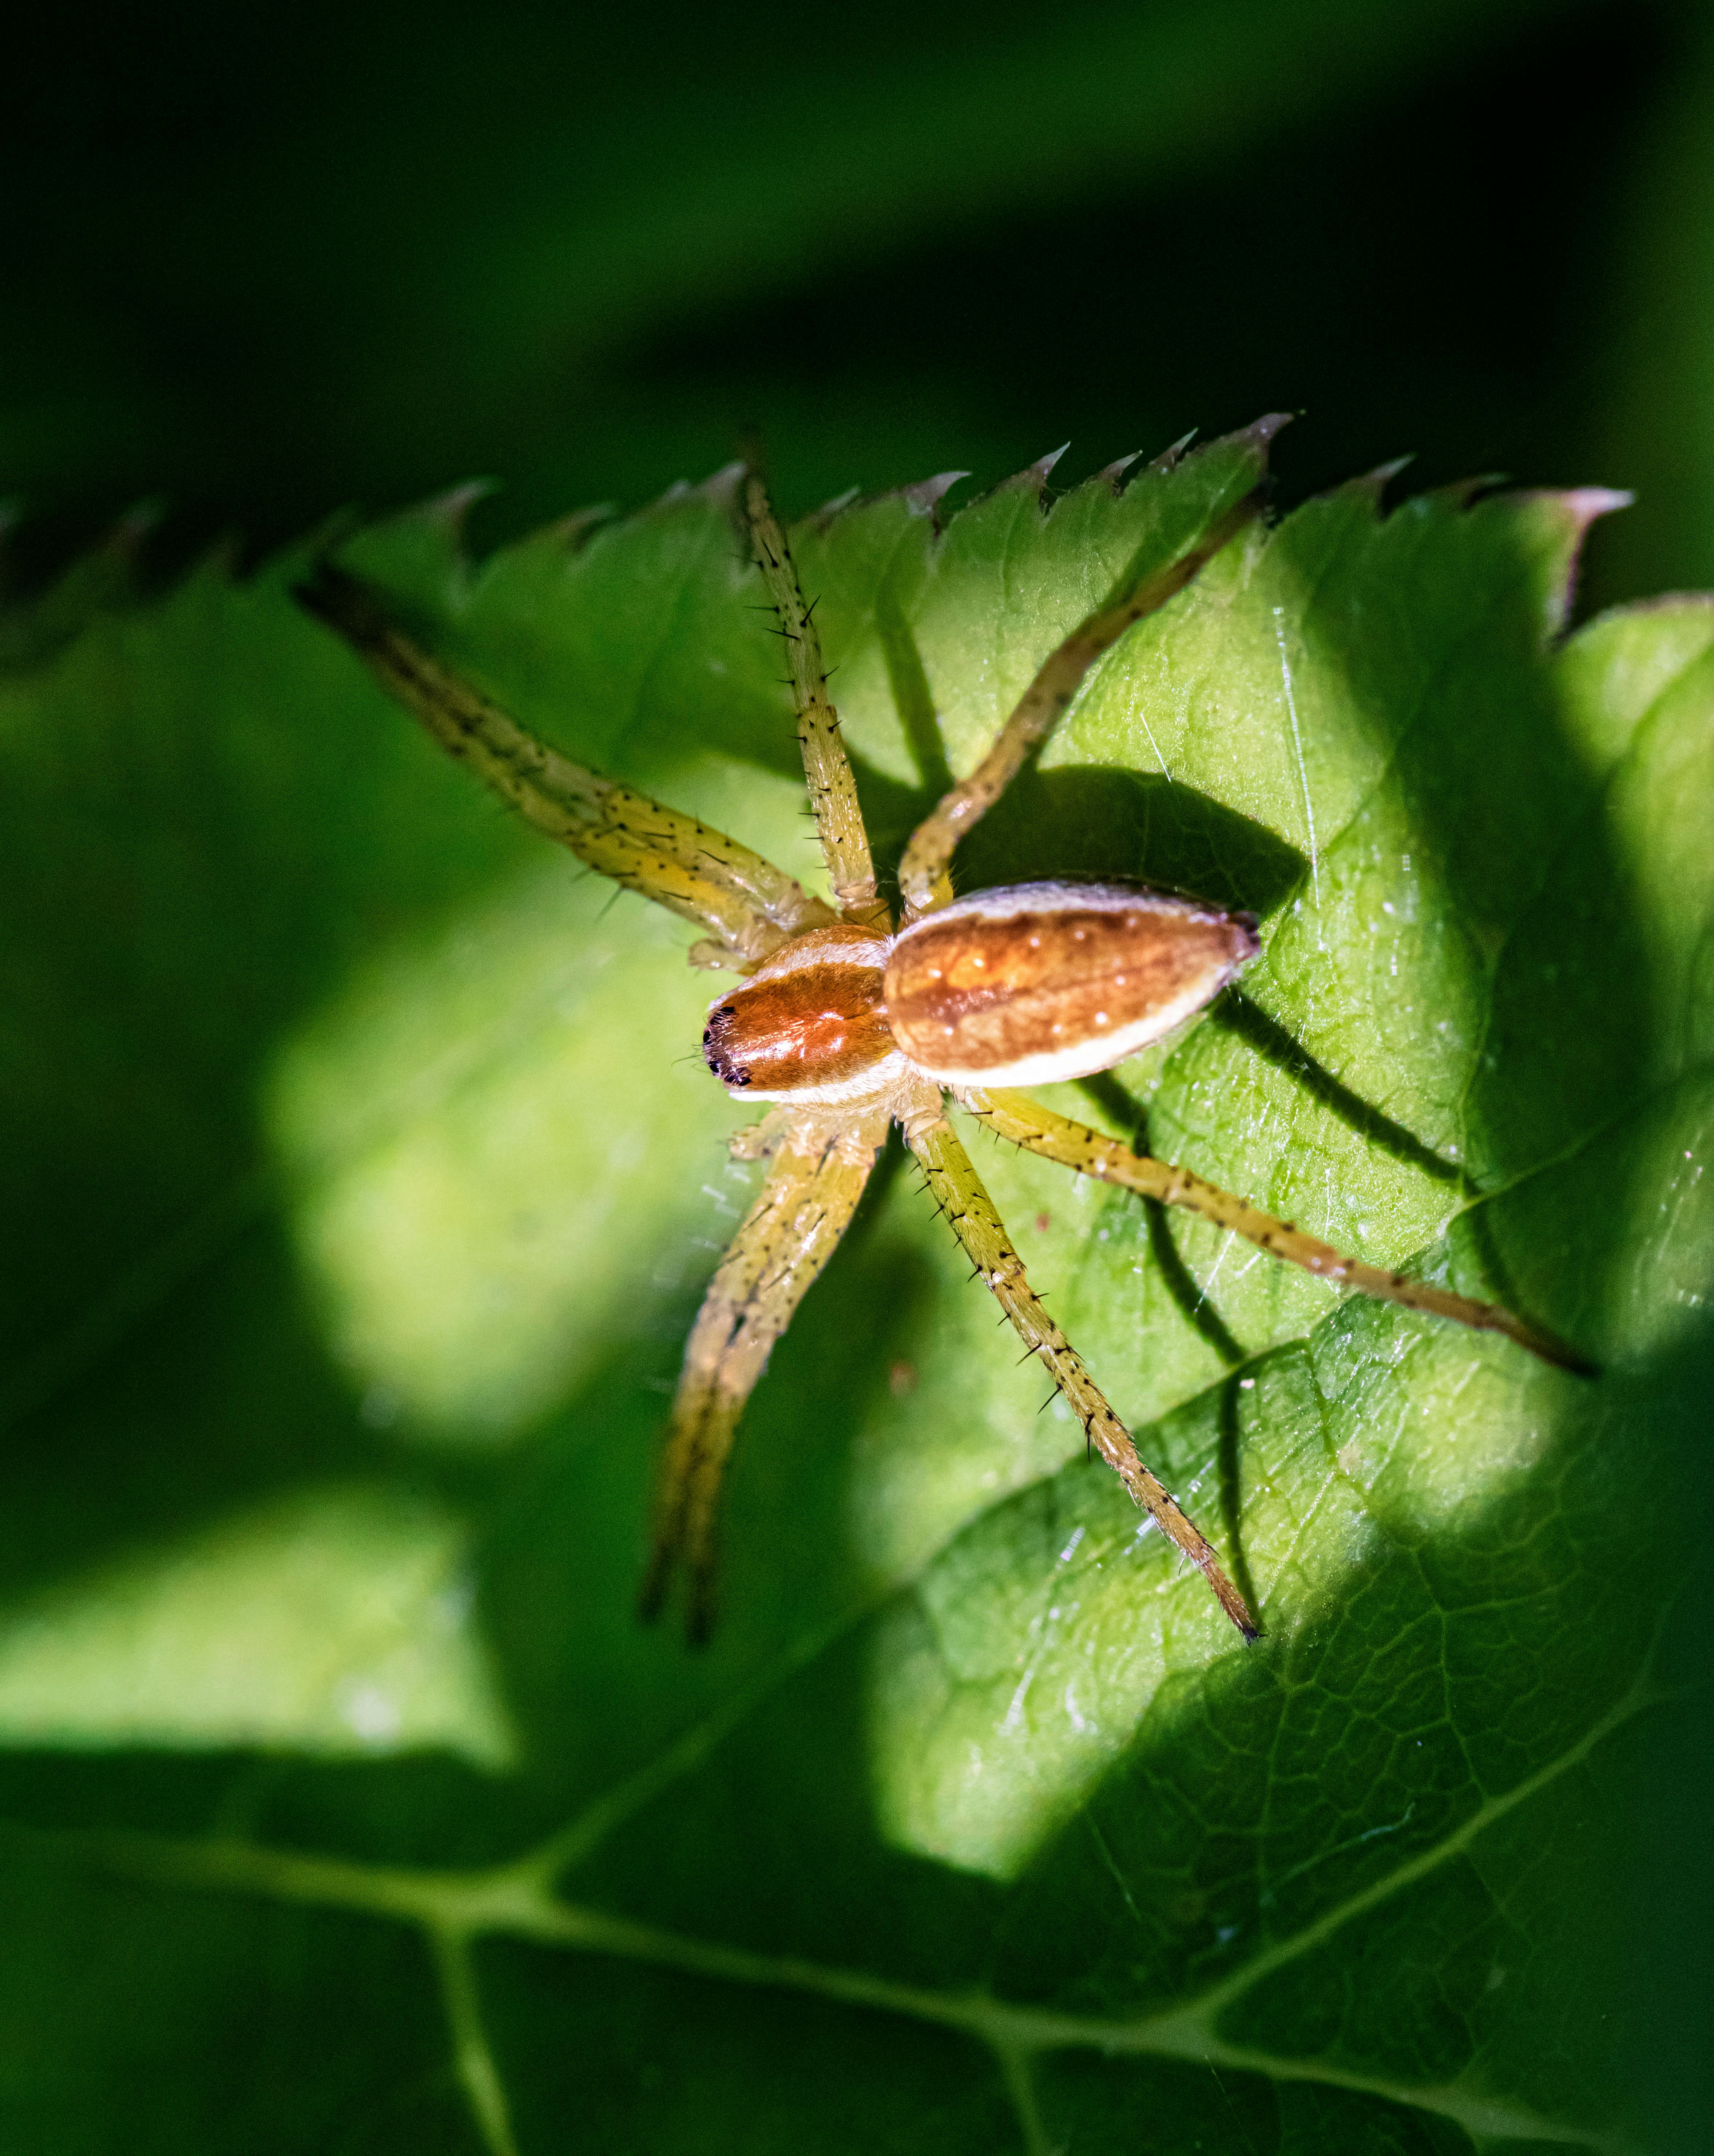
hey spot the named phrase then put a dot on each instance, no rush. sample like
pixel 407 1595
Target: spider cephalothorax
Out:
pixel 847 1024
pixel 810 1024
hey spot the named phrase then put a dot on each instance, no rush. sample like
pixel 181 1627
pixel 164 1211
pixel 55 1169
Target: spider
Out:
pixel 845 1021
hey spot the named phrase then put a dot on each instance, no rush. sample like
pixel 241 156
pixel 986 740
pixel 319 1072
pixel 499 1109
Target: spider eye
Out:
pixel 716 1037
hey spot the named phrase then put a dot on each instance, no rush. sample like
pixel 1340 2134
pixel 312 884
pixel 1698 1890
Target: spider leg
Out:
pixel 826 768
pixel 814 1178
pixel 748 907
pixel 1044 703
pixel 956 1184
pixel 1026 1122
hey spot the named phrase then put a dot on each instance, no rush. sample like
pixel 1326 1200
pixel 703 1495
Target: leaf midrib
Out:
pixel 516 1901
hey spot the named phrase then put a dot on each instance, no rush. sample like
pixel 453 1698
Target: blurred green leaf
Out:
pixel 360 1208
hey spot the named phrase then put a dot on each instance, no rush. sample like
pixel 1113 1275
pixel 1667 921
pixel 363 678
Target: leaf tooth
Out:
pixel 1584 504
pixel 574 531
pixel 1112 476
pixel 1171 455
pixel 1376 481
pixel 101 579
pixel 451 509
pixel 1256 437
pixel 1033 478
pixel 924 495
pixel 1260 433
pixel 830 510
pixel 721 487
pixel 1580 507
pixel 291 563
pixel 568 534
pixel 1466 493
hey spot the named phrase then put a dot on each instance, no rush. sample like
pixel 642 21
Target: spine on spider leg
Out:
pixel 1075 1145
pixel 975 1221
pixel 816 1173
pixel 750 906
pixel 826 768
pixel 1046 701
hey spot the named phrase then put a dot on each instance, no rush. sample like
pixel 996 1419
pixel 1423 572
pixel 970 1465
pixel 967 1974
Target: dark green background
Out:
pixel 266 261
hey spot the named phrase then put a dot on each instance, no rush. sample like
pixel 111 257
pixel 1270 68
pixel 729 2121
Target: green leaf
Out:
pixel 363 1182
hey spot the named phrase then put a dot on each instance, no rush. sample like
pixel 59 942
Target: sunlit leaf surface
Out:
pixel 364 1179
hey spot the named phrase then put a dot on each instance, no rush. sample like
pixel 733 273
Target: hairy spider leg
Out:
pixel 814 1178
pixel 976 1222
pixel 1026 1122
pixel 952 1174
pixel 747 905
pixel 826 768
pixel 1046 700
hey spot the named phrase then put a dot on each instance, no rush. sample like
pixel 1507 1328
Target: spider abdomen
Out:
pixel 809 1025
pixel 1041 981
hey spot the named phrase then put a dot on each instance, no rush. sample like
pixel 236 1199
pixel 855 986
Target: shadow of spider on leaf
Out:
pixel 846 1021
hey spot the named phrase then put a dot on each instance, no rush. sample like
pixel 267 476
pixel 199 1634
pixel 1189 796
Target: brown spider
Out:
pixel 847 1023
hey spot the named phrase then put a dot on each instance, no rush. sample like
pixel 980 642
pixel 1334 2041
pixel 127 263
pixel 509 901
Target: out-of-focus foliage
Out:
pixel 365 1204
